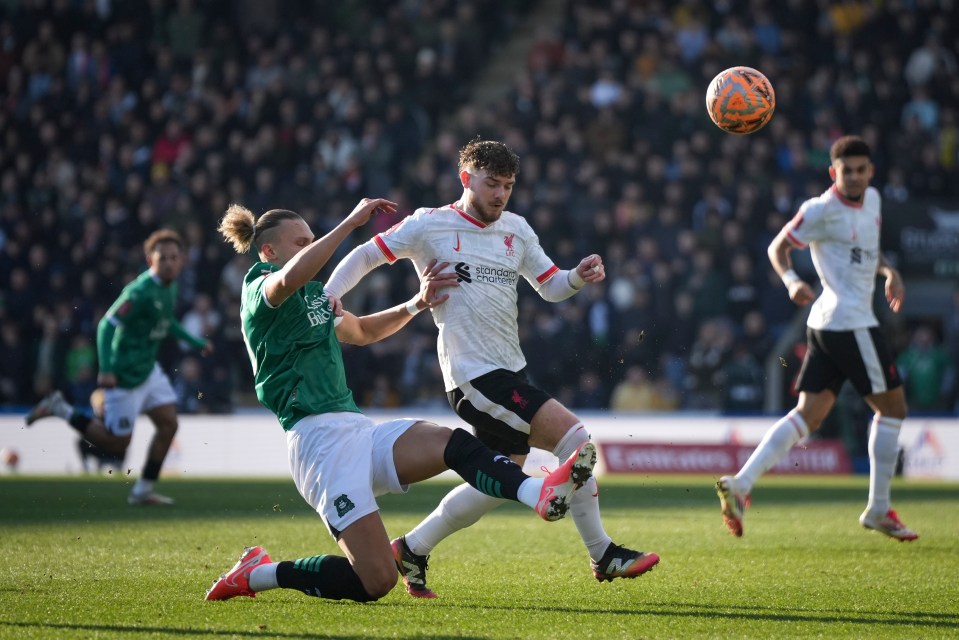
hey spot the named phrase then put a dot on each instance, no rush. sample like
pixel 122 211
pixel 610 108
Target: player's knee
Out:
pixel 167 428
pixel 381 581
pixel 900 410
pixel 895 413
pixel 432 436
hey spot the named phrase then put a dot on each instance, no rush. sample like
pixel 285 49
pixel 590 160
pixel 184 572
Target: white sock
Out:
pixel 263 577
pixel 883 452
pixel 142 487
pixel 584 506
pixel 573 440
pixel 775 444
pixel 529 491
pixel 458 509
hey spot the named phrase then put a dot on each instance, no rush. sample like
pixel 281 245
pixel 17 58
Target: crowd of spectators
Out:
pixel 121 117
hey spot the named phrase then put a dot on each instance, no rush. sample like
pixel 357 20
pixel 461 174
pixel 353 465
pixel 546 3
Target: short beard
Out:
pixel 484 215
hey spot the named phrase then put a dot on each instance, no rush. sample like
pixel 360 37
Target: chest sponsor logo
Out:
pixel 857 254
pixel 484 273
pixel 316 312
pixel 160 329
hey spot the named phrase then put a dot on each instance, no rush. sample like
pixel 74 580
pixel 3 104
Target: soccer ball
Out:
pixel 740 100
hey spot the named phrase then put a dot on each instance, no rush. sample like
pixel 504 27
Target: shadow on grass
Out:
pixel 751 613
pixel 913 619
pixel 138 631
pixel 38 500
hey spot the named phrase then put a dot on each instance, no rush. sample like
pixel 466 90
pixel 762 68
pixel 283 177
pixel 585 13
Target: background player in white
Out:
pixel 841 227
pixel 479 352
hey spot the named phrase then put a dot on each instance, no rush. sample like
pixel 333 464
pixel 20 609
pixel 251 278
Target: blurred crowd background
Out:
pixel 121 117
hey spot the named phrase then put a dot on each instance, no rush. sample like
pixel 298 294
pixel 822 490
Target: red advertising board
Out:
pixel 815 457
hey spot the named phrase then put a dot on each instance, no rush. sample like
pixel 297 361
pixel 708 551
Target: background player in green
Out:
pixel 341 460
pixel 128 337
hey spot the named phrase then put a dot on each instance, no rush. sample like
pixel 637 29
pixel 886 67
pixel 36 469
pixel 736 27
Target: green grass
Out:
pixel 79 563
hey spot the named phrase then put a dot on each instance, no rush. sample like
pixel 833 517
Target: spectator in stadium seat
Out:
pixel 128 339
pixel 927 371
pixel 340 459
pixel 638 392
pixel 845 343
pixel 484 368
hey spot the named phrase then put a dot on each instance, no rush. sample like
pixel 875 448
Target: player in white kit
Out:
pixel 479 352
pixel 841 228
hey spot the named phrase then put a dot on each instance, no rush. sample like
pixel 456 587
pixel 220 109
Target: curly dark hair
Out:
pixel 849 146
pixel 489 155
pixel 161 236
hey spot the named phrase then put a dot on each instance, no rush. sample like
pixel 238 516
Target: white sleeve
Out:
pixel 559 287
pixel 808 224
pixel 351 269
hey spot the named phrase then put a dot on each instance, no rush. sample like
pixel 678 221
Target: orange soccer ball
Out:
pixel 740 100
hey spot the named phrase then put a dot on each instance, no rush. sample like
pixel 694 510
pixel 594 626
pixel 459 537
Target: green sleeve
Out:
pixel 182 334
pixel 105 333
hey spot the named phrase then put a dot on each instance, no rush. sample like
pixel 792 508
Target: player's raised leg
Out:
pixel 733 491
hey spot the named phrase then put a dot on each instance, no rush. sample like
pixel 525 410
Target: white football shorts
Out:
pixel 341 462
pixel 122 406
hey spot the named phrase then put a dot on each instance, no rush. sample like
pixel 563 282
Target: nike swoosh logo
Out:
pixel 457 247
pixel 250 562
pixel 550 492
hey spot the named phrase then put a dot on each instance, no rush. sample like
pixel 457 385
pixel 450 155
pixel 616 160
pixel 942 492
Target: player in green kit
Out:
pixel 128 337
pixel 340 459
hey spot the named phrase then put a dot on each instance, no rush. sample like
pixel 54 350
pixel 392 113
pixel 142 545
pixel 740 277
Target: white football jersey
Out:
pixel 477 325
pixel 843 237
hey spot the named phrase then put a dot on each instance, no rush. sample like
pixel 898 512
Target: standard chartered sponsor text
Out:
pixel 494 275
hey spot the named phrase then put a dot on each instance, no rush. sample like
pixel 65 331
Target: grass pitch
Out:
pixel 79 563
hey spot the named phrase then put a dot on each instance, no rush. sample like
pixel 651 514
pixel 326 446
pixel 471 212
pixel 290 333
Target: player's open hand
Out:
pixel 895 290
pixel 367 207
pixel 591 269
pixel 433 280
pixel 801 293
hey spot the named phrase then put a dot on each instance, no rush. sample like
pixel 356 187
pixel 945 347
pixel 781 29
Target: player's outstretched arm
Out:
pixel 351 269
pixel 779 249
pixel 376 326
pixel 307 263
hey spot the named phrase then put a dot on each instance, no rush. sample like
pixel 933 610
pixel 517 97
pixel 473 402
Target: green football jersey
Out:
pixel 297 363
pixel 138 321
